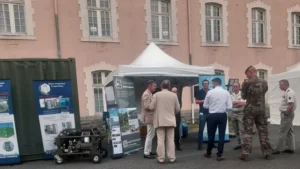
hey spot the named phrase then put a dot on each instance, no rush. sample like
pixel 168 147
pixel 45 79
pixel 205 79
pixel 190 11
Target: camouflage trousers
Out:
pixel 250 118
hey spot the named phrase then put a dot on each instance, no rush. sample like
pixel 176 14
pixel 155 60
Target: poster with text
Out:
pixel 115 132
pixel 125 97
pixel 55 110
pixel 210 78
pixel 9 149
pixel 130 128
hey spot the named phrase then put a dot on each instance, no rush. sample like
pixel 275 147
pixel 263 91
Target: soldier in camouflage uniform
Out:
pixel 254 90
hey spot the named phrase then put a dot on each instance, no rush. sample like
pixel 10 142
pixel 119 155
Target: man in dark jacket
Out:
pixel 178 121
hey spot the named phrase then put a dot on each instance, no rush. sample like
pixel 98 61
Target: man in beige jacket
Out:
pixel 147 118
pixel 165 104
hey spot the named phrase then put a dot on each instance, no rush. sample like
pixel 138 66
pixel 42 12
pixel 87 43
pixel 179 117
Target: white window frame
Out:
pixel 29 23
pixel 172 26
pixel 264 72
pixel 257 22
pixel 89 89
pixel 290 11
pixel 84 26
pixel 219 72
pixel 211 19
pixel 224 23
pixel 102 87
pixel 160 15
pixel 267 28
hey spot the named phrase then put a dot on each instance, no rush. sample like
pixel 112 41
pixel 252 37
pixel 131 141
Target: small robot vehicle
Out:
pixel 85 143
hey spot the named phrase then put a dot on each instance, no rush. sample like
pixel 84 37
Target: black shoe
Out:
pixel 275 152
pixel 179 149
pixel 207 155
pixel 153 154
pixel 237 148
pixel 149 157
pixel 268 157
pixel 200 147
pixel 288 151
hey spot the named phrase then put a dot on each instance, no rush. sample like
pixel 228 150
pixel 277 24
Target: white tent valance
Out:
pixel 153 62
pixel 275 94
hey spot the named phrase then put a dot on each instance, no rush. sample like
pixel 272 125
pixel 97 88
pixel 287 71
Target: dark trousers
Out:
pixel 202 122
pixel 177 130
pixel 214 121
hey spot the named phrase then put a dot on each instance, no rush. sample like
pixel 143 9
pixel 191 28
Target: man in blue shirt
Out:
pixel 203 112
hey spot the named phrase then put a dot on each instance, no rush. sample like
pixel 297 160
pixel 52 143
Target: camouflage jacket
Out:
pixel 254 90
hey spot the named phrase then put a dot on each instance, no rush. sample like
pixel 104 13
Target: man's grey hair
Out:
pixel 284 81
pixel 165 84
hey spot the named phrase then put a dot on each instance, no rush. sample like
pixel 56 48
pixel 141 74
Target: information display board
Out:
pixel 9 149
pixel 55 110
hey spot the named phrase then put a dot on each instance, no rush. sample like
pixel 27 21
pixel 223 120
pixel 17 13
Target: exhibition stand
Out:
pixel 126 85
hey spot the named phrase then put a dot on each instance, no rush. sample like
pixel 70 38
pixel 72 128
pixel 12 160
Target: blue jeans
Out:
pixel 202 122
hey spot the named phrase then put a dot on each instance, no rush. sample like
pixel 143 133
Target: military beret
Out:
pixel 248 69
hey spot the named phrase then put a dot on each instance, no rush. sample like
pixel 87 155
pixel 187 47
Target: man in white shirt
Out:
pixel 286 138
pixel 218 101
pixel 237 113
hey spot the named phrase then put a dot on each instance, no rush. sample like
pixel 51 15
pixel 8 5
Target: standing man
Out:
pixel 288 106
pixel 147 118
pixel 237 113
pixel 178 121
pixel 165 104
pixel 218 101
pixel 254 91
pixel 203 112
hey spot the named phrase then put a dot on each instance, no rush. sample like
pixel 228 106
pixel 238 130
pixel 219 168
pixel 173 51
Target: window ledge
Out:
pixel 17 37
pixel 96 39
pixel 169 43
pixel 259 46
pixel 294 47
pixel 215 44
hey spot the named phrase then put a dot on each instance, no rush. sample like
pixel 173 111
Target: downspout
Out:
pixel 57 29
pixel 190 56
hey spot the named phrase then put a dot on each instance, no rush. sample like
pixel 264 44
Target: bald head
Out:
pixel 174 90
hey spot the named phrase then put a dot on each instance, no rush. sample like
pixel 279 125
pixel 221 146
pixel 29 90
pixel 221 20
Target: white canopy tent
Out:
pixel 154 63
pixel 275 94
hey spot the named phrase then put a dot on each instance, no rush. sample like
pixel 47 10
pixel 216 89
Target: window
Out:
pixel 213 22
pixel 262 74
pixel 219 72
pixel 258 26
pixel 99 20
pixel 296 28
pixel 99 92
pixel 161 21
pixel 12 17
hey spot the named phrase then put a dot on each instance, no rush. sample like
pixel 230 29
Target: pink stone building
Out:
pixel 101 34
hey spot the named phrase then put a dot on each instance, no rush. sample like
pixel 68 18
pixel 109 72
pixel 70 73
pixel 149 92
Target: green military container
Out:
pixel 22 73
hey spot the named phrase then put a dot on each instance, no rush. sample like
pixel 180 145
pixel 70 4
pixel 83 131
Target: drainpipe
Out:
pixel 57 29
pixel 190 55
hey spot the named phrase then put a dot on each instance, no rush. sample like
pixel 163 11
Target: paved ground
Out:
pixel 190 158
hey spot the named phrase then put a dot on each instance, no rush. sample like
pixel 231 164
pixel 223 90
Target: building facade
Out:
pixel 102 34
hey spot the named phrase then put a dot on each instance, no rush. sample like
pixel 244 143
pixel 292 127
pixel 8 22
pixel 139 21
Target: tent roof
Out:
pixel 153 62
pixel 290 74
